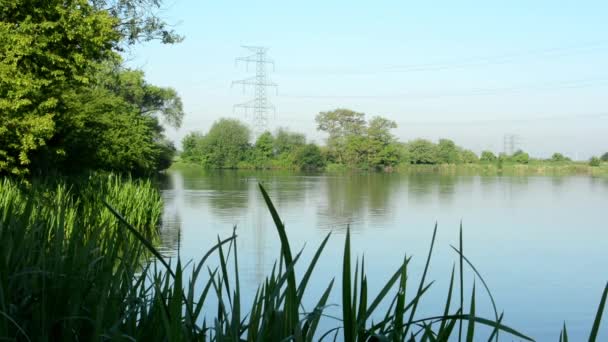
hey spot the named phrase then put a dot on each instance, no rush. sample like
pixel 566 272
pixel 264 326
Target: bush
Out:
pixel 487 157
pixel 468 157
pixel 422 151
pixel 520 157
pixel 308 157
pixel 595 161
pixel 558 157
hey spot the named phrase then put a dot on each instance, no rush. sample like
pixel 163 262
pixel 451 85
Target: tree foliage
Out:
pixel 487 157
pixel 58 60
pixel 558 157
pixel 422 151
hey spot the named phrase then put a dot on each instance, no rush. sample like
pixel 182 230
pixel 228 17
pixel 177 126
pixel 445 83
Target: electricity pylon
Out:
pixel 259 104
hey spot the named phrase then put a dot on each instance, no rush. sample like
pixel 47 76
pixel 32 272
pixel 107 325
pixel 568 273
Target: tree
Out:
pixel 340 124
pixel 309 157
pixel 604 157
pixel 51 49
pixel 487 157
pixel 114 126
pixel 558 157
pixel 595 161
pixel 379 129
pixel 382 150
pixel 263 150
pixel 225 145
pixel 520 157
pixel 422 151
pixel 468 157
pixel 191 147
pixel 447 152
pixel 286 141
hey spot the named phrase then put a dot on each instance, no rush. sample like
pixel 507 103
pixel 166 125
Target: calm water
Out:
pixel 541 243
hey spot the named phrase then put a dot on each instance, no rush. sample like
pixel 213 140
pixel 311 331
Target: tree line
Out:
pixel 67 101
pixel 352 142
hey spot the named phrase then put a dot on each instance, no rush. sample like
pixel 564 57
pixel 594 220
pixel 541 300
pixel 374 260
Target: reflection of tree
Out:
pixel 170 232
pixel 349 199
pixel 557 181
pixel 171 220
pixel 223 191
pixel 420 186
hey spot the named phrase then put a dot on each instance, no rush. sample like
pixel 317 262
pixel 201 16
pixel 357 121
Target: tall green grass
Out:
pixel 80 263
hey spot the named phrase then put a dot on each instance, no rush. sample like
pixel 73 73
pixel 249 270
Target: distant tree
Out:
pixel 447 152
pixel 487 157
pixel 339 124
pixel 422 151
pixel 558 157
pixel 356 151
pixel 191 146
pixel 225 145
pixel 595 161
pixel 468 157
pixel 389 156
pixel 263 150
pixel 286 141
pixel 604 157
pixel 309 157
pixel 382 146
pixel 379 130
pixel 520 157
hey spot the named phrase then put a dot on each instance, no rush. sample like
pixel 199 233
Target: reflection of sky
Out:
pixel 539 242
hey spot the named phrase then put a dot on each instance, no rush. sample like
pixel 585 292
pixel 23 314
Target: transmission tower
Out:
pixel 510 143
pixel 259 105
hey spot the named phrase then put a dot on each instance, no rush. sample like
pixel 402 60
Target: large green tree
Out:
pixel 50 50
pixel 447 152
pixel 225 145
pixel 422 151
pixel 340 125
pixel 117 124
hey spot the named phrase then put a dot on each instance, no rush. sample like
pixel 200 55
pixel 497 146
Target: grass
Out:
pixel 79 263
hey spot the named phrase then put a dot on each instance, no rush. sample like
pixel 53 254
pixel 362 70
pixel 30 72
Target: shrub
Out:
pixel 595 161
pixel 520 157
pixel 487 157
pixel 422 151
pixel 558 157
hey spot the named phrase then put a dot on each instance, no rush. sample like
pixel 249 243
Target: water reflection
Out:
pixel 522 231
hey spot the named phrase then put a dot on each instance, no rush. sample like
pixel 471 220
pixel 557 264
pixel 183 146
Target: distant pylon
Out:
pixel 259 104
pixel 510 143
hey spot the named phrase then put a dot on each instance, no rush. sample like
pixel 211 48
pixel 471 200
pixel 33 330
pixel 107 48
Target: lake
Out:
pixel 541 243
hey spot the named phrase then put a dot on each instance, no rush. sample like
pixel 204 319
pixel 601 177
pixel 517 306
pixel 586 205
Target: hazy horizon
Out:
pixel 458 71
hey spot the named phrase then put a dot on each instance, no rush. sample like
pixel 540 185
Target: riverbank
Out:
pixel 534 168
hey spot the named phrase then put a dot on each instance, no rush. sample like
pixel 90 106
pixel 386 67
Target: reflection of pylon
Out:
pixel 260 104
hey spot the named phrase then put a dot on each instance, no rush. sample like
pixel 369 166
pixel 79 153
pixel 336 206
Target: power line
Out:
pixel 259 104
pixel 479 122
pixel 566 84
pixel 464 63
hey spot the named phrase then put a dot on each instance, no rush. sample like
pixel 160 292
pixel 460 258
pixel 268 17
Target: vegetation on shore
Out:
pixel 355 143
pixel 67 101
pixel 75 269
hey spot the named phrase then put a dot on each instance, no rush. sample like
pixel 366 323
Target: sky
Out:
pixel 470 71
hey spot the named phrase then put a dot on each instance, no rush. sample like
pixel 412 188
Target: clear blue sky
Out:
pixel 471 71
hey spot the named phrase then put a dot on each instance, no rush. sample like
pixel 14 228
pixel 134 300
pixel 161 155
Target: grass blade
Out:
pixel 598 316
